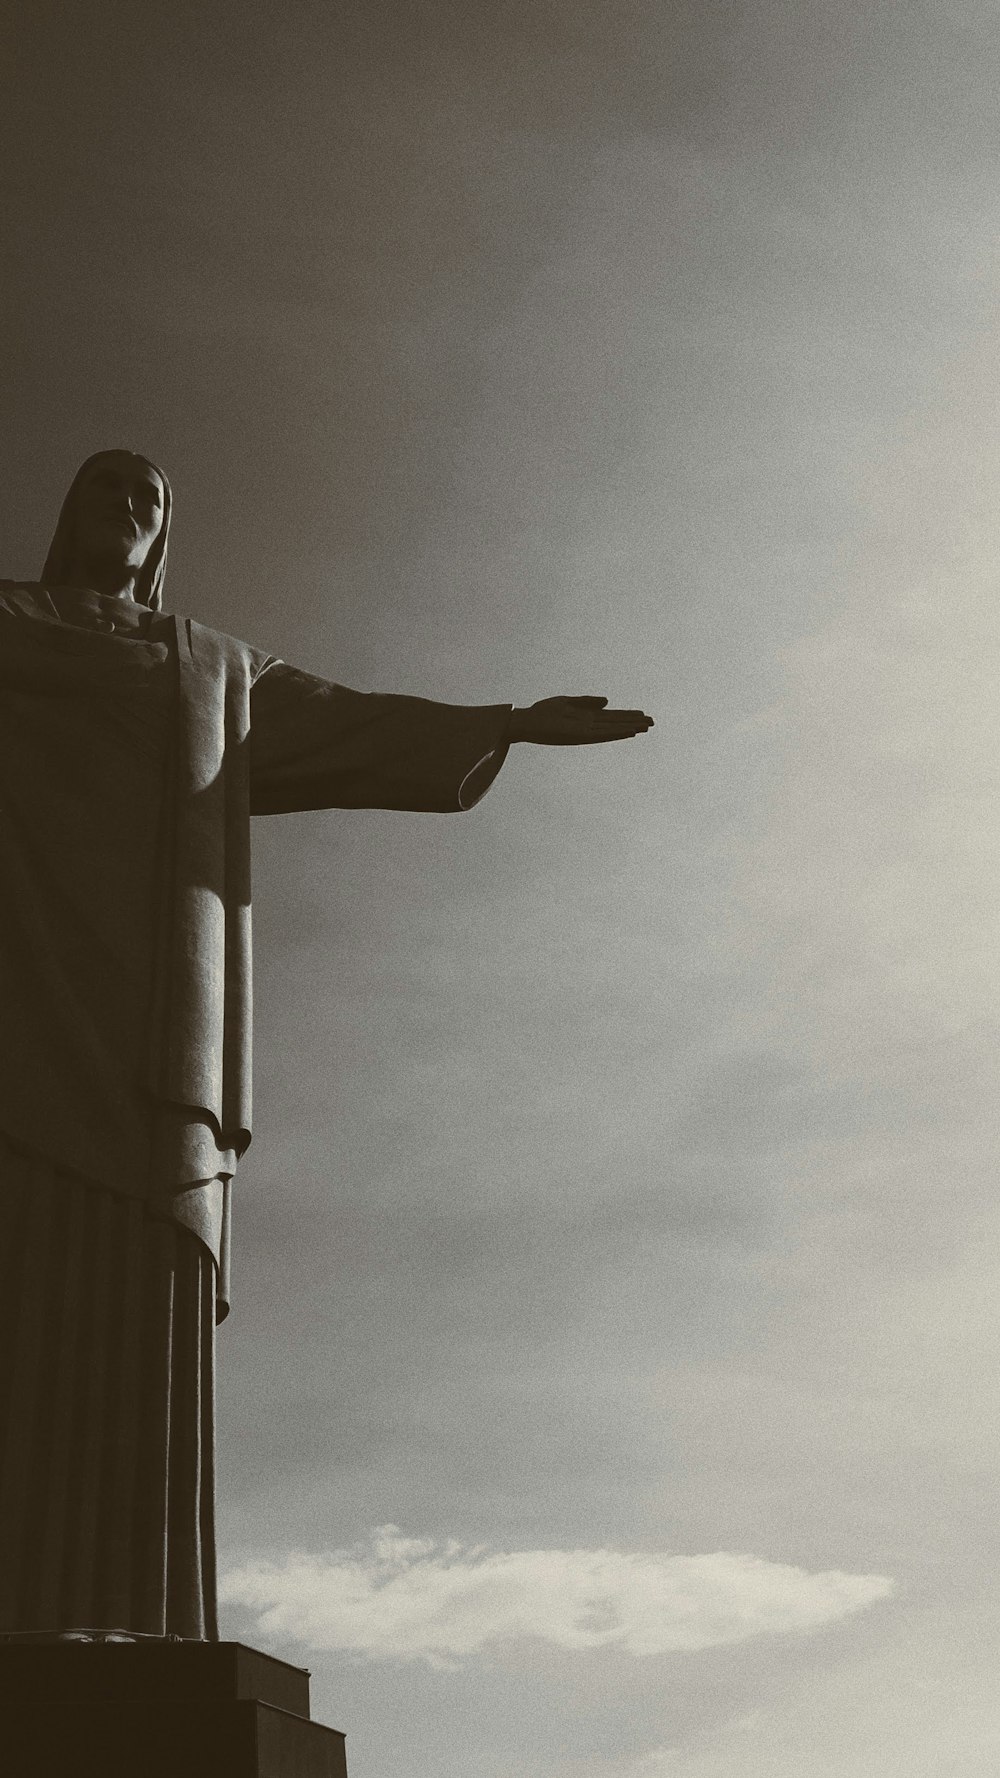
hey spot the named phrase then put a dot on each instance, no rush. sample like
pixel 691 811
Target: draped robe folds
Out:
pixel 134 747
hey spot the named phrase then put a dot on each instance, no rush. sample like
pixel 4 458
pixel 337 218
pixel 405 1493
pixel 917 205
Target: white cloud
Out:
pixel 406 1598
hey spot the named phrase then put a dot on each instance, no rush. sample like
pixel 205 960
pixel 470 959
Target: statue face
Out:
pixel 117 512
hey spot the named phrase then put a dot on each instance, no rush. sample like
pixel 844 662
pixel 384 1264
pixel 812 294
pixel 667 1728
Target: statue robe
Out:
pixel 134 747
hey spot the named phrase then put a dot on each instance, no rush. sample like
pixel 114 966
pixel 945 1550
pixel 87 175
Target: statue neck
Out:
pixel 115 580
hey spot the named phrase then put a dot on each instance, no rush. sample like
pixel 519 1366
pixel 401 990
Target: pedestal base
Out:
pixel 159 1710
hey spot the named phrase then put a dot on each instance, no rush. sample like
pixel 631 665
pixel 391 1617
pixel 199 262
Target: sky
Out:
pixel 610 1389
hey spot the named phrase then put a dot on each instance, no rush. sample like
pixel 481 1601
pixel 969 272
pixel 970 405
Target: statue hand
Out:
pixel 576 722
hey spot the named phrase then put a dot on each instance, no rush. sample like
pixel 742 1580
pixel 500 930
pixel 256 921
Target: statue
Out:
pixel 134 747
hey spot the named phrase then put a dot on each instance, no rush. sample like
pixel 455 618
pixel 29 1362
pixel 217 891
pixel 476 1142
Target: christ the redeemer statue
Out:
pixel 134 747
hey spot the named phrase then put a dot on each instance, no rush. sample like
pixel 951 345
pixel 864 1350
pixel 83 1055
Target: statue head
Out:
pixel 112 530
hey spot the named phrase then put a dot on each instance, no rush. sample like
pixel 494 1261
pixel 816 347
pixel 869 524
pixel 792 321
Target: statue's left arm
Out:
pixel 318 745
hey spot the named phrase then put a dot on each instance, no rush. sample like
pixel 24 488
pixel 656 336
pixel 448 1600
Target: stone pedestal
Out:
pixel 159 1710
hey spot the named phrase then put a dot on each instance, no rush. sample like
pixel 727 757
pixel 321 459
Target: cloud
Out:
pixel 406 1598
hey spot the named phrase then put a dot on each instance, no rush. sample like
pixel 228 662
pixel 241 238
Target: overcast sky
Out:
pixel 611 1387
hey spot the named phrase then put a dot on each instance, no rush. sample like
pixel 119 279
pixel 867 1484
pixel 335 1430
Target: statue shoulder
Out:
pixel 215 650
pixel 25 596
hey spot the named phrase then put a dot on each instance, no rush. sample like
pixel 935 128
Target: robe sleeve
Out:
pixel 318 745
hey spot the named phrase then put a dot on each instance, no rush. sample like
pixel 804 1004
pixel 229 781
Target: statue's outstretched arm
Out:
pixel 318 745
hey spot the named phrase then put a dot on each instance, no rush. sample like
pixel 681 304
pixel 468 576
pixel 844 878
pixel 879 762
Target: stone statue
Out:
pixel 134 747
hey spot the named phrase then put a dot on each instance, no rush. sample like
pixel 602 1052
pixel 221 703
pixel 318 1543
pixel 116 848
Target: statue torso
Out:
pixel 87 698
